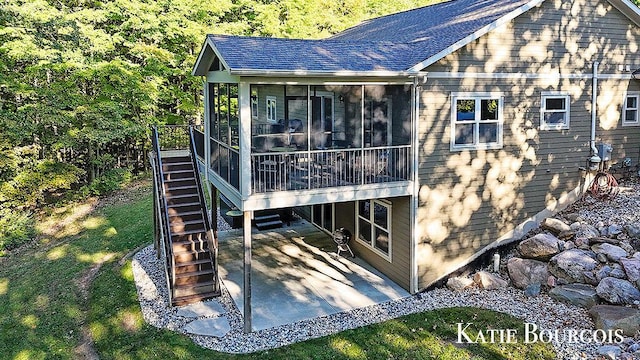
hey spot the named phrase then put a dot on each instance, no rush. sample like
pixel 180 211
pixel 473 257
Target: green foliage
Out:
pixel 110 181
pixel 16 228
pixel 31 186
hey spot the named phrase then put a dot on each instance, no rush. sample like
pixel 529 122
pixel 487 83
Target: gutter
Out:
pixel 312 73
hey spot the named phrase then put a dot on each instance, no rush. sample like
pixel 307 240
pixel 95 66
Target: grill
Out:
pixel 341 237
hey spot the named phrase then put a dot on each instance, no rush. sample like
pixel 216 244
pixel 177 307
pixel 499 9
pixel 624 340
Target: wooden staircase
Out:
pixel 184 236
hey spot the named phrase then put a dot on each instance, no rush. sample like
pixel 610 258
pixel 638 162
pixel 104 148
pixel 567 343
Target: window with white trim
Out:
pixel 271 108
pixel 374 226
pixel 476 121
pixel 630 110
pixel 555 111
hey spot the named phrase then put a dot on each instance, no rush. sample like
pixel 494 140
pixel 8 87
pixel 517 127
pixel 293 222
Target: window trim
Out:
pixel 555 95
pixel 477 97
pixel 627 95
pixel 272 103
pixel 370 245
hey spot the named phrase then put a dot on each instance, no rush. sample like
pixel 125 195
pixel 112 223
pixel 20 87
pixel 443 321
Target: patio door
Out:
pixel 322 215
pixel 322 119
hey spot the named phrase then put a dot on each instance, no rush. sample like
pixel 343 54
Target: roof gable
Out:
pixel 398 44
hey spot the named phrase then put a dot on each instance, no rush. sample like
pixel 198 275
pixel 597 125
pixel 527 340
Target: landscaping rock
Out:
pixel 489 281
pixel 541 247
pixel 631 268
pixel 532 290
pixel 590 278
pixel 617 271
pixel 614 230
pixel 601 240
pixel 571 264
pixel 577 294
pixel 525 272
pixel 603 272
pixel 610 351
pixel 633 230
pixel 459 283
pixel 610 317
pixel 582 243
pixel 585 230
pixel 618 291
pixel 612 252
pixel 554 225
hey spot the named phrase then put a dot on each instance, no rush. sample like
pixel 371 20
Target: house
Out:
pixel 434 135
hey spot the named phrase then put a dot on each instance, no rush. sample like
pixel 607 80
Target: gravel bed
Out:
pixel 542 310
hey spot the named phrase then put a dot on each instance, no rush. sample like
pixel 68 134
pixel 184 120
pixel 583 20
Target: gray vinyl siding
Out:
pixel 399 269
pixel 468 199
pixel 625 140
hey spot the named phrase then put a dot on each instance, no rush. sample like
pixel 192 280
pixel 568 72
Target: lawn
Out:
pixel 73 296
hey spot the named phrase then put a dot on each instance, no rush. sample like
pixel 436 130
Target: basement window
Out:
pixel 630 110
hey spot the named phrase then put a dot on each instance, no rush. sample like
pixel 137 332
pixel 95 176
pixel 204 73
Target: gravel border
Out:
pixel 542 310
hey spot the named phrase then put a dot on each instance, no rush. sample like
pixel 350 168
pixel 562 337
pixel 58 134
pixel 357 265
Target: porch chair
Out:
pixel 341 237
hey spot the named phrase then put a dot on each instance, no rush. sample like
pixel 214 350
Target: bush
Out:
pixel 16 228
pixel 107 183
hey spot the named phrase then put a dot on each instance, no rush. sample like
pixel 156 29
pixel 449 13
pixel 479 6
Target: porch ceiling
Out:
pixel 297 276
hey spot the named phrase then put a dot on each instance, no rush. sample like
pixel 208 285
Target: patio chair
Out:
pixel 341 237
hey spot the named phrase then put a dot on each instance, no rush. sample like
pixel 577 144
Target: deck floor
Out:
pixel 297 275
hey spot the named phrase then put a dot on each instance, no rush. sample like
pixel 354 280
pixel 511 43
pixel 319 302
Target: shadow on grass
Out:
pixel 44 306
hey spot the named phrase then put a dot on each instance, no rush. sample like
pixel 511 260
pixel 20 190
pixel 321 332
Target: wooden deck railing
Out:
pixel 302 170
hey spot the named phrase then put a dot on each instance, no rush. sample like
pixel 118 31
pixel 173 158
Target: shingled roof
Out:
pixel 400 43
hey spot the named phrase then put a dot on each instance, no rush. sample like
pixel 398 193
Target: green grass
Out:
pixel 43 309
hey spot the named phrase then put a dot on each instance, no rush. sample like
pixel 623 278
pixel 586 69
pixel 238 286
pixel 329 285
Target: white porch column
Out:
pixel 246 232
pixel 244 98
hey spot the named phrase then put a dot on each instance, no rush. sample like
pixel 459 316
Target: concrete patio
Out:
pixel 297 275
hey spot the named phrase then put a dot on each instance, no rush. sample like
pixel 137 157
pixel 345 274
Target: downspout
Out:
pixel 595 159
pixel 413 286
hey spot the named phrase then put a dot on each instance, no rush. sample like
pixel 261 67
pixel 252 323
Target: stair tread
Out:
pixel 184 300
pixel 194 262
pixel 181 179
pixel 195 273
pixel 187 232
pixel 182 196
pixel 186 213
pixel 188 222
pixel 183 205
pixel 199 284
pixel 179 163
pixel 267 217
pixel 186 187
pixel 274 222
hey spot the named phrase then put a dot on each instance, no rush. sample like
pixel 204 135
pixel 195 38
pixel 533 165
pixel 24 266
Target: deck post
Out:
pixel 247 270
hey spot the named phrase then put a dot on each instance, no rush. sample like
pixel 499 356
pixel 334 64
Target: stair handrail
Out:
pixel 168 248
pixel 211 238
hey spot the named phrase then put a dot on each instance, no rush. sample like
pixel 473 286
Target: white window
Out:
pixel 476 121
pixel 630 110
pixel 374 226
pixel 271 109
pixel 554 111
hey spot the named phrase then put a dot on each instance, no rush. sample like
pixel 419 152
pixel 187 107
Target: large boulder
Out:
pixel 555 226
pixel 489 281
pixel 577 294
pixel 610 317
pixel 570 265
pixel 631 268
pixel 541 247
pixel 612 252
pixel 459 283
pixel 618 291
pixel 526 272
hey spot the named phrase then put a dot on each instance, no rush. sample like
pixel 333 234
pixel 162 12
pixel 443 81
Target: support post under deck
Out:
pixel 247 270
